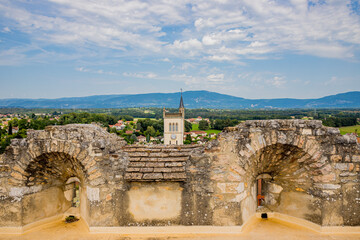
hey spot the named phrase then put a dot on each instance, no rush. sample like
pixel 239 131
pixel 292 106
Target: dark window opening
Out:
pixel 260 198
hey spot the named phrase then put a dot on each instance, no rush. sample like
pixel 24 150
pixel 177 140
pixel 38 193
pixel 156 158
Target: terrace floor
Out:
pixel 260 229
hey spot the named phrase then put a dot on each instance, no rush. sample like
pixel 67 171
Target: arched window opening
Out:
pixel 260 184
pixel 177 127
pixel 169 127
pixel 72 191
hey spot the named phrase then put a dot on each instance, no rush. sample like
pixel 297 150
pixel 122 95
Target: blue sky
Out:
pixel 245 48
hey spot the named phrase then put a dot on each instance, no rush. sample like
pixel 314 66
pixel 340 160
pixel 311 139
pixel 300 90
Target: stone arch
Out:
pixel 49 168
pixel 39 166
pixel 59 150
pixel 297 156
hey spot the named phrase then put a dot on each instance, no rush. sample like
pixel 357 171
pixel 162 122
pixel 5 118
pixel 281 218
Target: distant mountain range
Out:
pixel 192 99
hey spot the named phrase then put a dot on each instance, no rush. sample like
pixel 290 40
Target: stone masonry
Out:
pixel 312 172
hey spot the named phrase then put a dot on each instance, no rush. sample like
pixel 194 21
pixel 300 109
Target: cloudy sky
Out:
pixel 245 48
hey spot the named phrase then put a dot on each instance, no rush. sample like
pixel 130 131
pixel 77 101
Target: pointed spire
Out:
pixel 181 101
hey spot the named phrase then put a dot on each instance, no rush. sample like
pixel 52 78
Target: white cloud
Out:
pixel 216 78
pixel 263 79
pixel 6 30
pixel 201 81
pixel 99 71
pixel 187 65
pixel 141 75
pixel 333 81
pixel 212 30
pixel 277 81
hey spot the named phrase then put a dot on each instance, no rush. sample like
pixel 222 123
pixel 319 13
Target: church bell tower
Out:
pixel 174 125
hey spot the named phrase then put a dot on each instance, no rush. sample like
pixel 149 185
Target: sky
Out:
pixel 245 48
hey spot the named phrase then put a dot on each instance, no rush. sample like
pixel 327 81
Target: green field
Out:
pixel 195 127
pixel 351 129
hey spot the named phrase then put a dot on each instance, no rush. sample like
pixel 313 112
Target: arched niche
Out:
pixel 282 175
pixel 60 182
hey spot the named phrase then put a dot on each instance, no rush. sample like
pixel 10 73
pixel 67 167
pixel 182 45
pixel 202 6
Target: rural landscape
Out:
pixel 146 123
pixel 183 120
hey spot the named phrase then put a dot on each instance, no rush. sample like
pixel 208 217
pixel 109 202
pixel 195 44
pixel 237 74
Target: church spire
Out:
pixel 181 101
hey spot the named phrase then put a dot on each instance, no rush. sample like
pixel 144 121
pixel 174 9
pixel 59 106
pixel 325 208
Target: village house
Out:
pixel 141 139
pixel 198 133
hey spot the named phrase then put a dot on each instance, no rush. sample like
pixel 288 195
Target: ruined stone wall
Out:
pixel 162 185
pixel 312 173
pixel 45 160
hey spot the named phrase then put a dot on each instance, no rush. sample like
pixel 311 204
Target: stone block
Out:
pixel 94 175
pixel 174 164
pixel 326 169
pixel 90 164
pixel 356 158
pixel 138 154
pixel 162 170
pixel 325 178
pixel 18 169
pixel 17 175
pixel 146 169
pixel 177 154
pixel 237 169
pixel 172 159
pixel 170 169
pixel 342 166
pixel 153 176
pixel 136 164
pixel 306 131
pixel 328 186
pixel 130 169
pixel 159 154
pixel 97 181
pixel 133 176
pixel 347 174
pixel 336 158
pixel 174 176
pixel 155 164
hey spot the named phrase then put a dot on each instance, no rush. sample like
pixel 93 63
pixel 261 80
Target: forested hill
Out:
pixel 192 99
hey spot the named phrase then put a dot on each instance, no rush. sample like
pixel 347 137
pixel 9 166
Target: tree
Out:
pixel 10 129
pixel 150 131
pixel 23 124
pixel 203 125
pixel 188 126
pixel 133 138
pixel 139 127
pixel 188 138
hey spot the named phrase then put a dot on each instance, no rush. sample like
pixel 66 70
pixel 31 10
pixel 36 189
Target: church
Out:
pixel 174 125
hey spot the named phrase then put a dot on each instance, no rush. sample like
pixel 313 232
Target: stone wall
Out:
pixel 314 172
pixel 311 173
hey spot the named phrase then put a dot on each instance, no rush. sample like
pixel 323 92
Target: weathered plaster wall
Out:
pixel 44 204
pixel 84 205
pixel 155 201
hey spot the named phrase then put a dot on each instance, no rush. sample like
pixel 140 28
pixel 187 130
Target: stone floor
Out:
pixel 261 229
